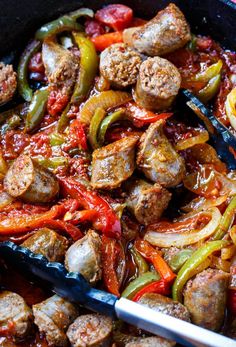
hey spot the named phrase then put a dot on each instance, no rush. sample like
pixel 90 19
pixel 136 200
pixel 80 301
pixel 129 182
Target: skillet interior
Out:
pixel 19 19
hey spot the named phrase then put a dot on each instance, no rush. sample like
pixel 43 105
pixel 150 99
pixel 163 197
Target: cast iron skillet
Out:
pixel 20 18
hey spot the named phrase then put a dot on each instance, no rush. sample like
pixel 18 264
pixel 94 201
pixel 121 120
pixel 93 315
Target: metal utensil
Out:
pixel 222 138
pixel 75 288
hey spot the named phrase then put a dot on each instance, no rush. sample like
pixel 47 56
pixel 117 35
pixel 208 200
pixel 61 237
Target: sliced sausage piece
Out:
pixel 8 82
pixel 205 297
pixel 15 315
pixel 114 163
pixel 165 305
pixel 119 64
pixel 84 256
pixel 153 341
pixel 163 34
pixel 157 85
pixel 61 66
pixel 146 201
pixel 90 330
pixel 48 243
pixel 53 316
pixel 29 181
pixel 158 159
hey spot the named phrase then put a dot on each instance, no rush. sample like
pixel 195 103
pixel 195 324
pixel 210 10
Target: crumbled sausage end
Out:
pixel 8 82
pixel 160 77
pixel 120 65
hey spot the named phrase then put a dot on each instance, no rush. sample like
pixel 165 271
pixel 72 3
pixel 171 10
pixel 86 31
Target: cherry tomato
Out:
pixel 36 63
pixel 57 102
pixel 116 16
pixel 94 28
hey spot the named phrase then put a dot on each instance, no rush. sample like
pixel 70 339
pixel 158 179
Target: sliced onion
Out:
pixel 206 154
pixel 176 239
pixel 232 234
pixel 230 107
pixel 107 99
pixel 208 183
pixel 201 203
pixel 202 137
pixel 223 265
pixel 228 252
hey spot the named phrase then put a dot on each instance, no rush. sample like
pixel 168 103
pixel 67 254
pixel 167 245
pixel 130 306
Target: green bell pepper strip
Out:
pixel 88 67
pixel 94 127
pixel 12 123
pixel 81 12
pixel 179 259
pixel 210 90
pixel 56 139
pixel 22 72
pixel 51 163
pixel 226 220
pixel 64 23
pixel 140 282
pixel 212 71
pixel 64 119
pixel 36 109
pixel 87 73
pixel 139 261
pixel 186 271
pixel 108 121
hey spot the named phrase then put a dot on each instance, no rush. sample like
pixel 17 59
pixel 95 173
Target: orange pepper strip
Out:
pixel 108 264
pixel 103 41
pixel 149 253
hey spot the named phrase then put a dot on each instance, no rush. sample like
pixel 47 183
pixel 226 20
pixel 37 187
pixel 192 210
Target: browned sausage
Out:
pixel 146 201
pixel 119 64
pixel 53 316
pixel 61 66
pixel 157 85
pixel 48 243
pixel 154 341
pixel 13 309
pixel 90 330
pixel 114 163
pixel 84 256
pixel 8 83
pixel 163 34
pixel 165 305
pixel 29 181
pixel 158 159
pixel 205 298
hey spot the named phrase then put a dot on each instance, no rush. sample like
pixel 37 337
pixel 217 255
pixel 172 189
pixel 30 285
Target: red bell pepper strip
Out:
pixel 149 253
pixel 108 263
pixel 63 226
pixel 107 221
pixel 25 223
pixel 115 16
pixel 81 216
pixel 141 116
pixel 161 287
pixel 103 41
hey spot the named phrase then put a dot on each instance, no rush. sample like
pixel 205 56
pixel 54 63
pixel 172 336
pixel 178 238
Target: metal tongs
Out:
pixel 222 137
pixel 75 288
